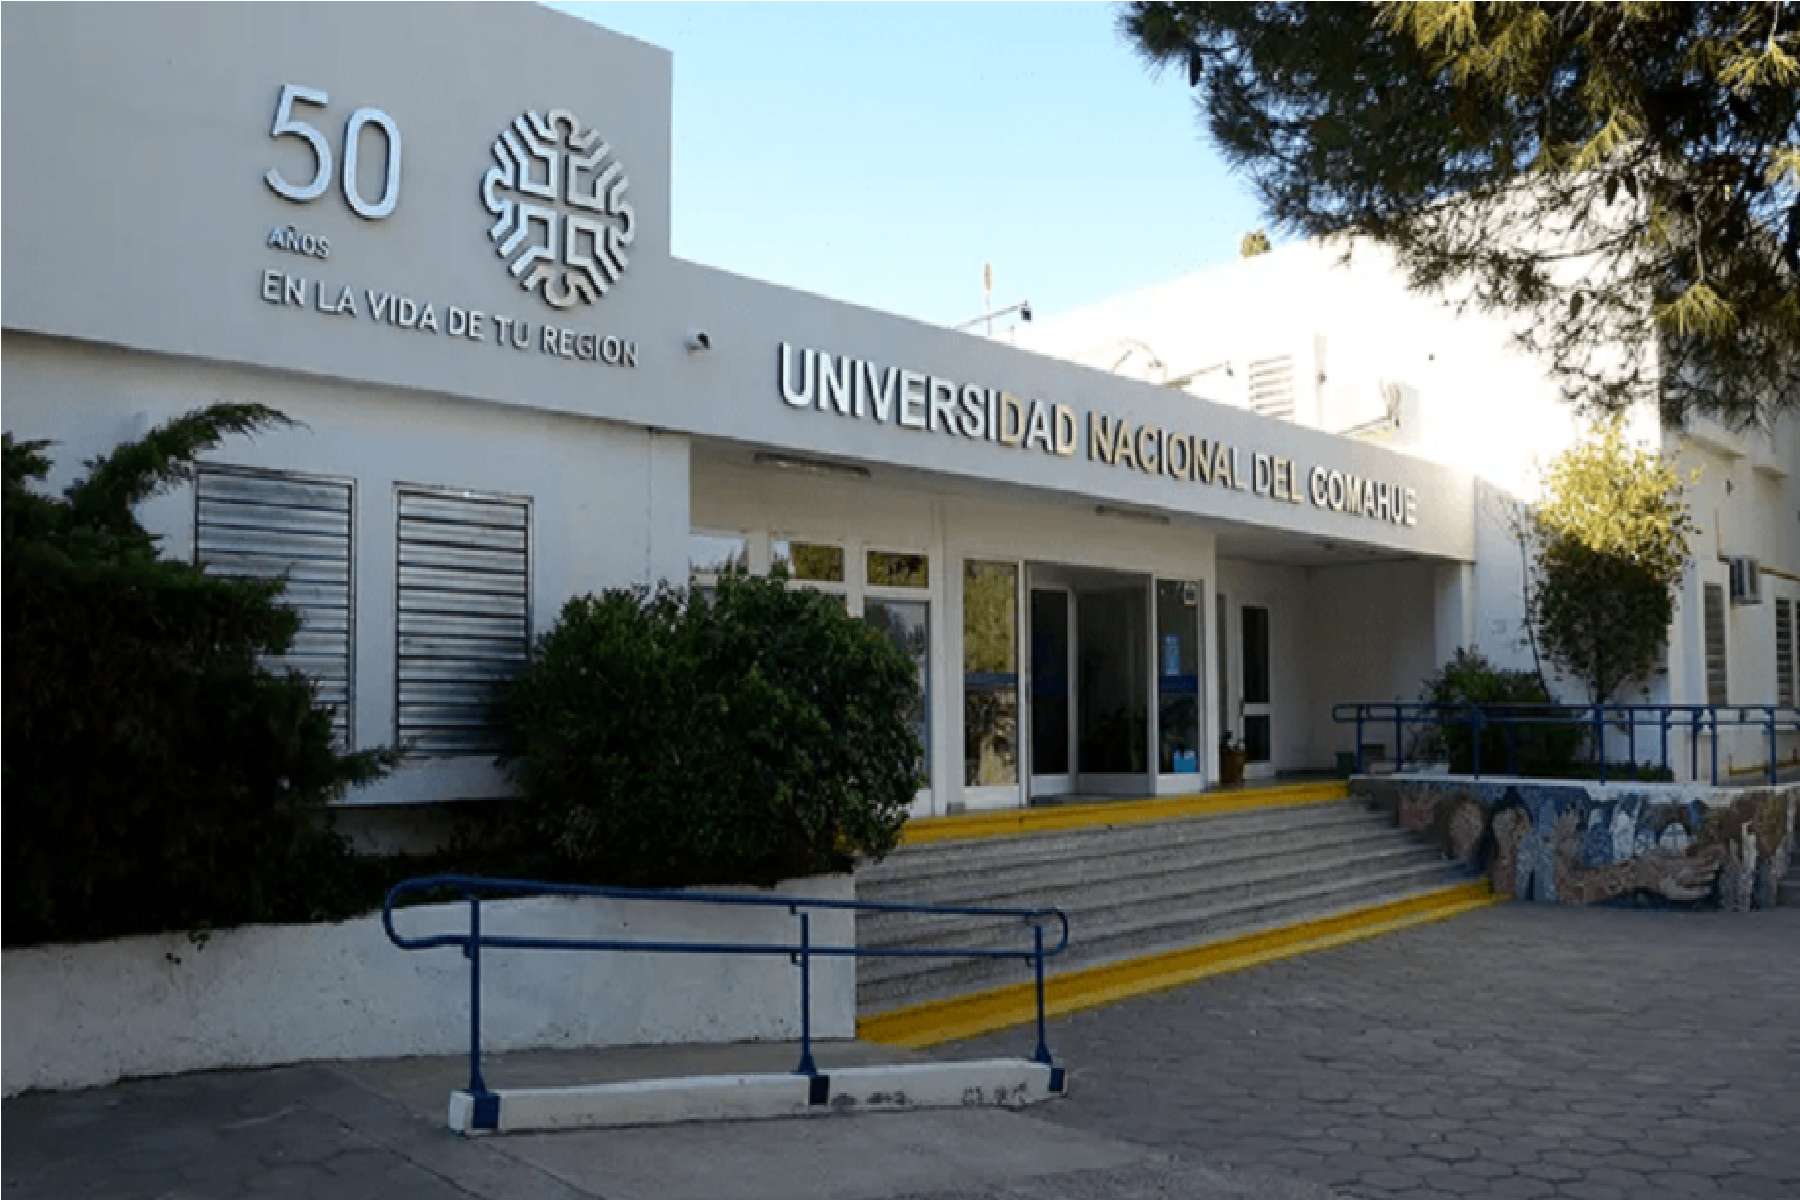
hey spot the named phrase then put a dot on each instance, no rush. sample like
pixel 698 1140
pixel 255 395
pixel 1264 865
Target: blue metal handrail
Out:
pixel 1697 720
pixel 472 889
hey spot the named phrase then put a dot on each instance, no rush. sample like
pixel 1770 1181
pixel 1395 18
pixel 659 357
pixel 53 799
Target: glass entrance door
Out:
pixel 1112 717
pixel 1254 698
pixel 1178 642
pixel 1052 662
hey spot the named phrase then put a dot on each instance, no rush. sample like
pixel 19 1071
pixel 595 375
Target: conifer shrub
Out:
pixel 670 739
pixel 158 775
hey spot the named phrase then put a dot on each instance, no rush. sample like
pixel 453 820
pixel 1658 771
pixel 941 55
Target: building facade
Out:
pixel 1326 335
pixel 457 279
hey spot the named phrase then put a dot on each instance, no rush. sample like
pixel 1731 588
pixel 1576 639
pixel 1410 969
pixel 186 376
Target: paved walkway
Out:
pixel 1517 1051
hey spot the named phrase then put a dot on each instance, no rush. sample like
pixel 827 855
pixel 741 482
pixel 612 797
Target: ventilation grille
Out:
pixel 1715 644
pixel 1272 388
pixel 1784 650
pixel 270 525
pixel 463 625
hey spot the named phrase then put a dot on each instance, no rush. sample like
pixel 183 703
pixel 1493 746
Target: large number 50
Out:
pixel 286 126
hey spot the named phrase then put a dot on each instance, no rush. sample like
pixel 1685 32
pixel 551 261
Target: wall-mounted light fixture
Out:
pixel 812 466
pixel 1181 381
pixel 1130 514
pixel 1023 308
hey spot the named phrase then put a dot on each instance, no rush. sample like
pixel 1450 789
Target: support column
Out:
pixel 1453 617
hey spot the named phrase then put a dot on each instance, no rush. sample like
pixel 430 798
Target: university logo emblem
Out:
pixel 561 220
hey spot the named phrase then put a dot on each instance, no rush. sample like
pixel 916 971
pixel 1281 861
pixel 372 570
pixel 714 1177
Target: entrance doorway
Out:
pixel 1255 705
pixel 1113 699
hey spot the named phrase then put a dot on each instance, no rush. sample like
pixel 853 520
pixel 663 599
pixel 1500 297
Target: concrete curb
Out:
pixel 899 1087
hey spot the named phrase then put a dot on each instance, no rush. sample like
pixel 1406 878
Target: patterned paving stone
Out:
pixel 1520 1051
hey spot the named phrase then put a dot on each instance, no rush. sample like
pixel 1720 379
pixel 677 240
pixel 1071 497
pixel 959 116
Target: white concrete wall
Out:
pixel 1365 640
pixel 86 1015
pixel 185 262
pixel 1283 591
pixel 609 502
pixel 1744 491
pixel 1468 396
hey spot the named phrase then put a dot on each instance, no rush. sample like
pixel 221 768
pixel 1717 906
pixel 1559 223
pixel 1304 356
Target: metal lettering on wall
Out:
pixel 569 258
pixel 544 162
pixel 288 125
pixel 913 400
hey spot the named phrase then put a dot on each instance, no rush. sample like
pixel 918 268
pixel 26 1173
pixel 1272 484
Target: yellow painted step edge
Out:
pixel 952 1020
pixel 1015 821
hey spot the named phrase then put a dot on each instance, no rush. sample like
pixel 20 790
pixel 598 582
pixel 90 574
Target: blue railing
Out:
pixel 473 889
pixel 1698 721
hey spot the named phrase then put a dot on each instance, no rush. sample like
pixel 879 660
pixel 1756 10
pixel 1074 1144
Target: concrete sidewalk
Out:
pixel 376 1130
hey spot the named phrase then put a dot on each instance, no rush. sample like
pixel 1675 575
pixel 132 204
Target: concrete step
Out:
pixel 960 872
pixel 1130 884
pixel 1141 887
pixel 970 1014
pixel 1787 890
pixel 931 862
pixel 1127 933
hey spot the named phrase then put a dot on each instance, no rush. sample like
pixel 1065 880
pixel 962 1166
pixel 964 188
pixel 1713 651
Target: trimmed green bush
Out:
pixel 1546 749
pixel 669 740
pixel 157 775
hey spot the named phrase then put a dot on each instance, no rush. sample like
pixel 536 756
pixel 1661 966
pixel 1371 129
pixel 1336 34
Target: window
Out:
pixel 279 525
pixel 895 602
pixel 1784 650
pixel 990 674
pixel 813 565
pixel 808 562
pixel 887 569
pixel 711 555
pixel 1272 388
pixel 1714 603
pixel 464 596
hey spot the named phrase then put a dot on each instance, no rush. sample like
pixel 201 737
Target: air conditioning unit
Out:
pixel 1746 580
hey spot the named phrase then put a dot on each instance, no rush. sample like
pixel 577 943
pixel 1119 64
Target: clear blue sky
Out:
pixel 880 153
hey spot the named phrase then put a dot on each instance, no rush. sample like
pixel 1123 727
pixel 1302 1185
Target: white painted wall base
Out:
pixel 85 1015
pixel 989 1083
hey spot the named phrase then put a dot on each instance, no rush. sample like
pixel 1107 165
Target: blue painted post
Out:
pixel 1715 743
pixel 477 1085
pixel 1662 721
pixel 1359 738
pixel 1600 740
pixel 1399 740
pixel 1694 744
pixel 1631 739
pixel 1475 740
pixel 1773 776
pixel 1512 757
pixel 1042 1054
pixel 806 1066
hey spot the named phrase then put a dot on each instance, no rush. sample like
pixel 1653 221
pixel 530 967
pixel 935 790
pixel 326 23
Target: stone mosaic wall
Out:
pixel 1587 843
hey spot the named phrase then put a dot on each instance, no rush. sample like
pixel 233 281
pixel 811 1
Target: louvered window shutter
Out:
pixel 1272 388
pixel 1784 650
pixel 277 525
pixel 1715 644
pixel 464 595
